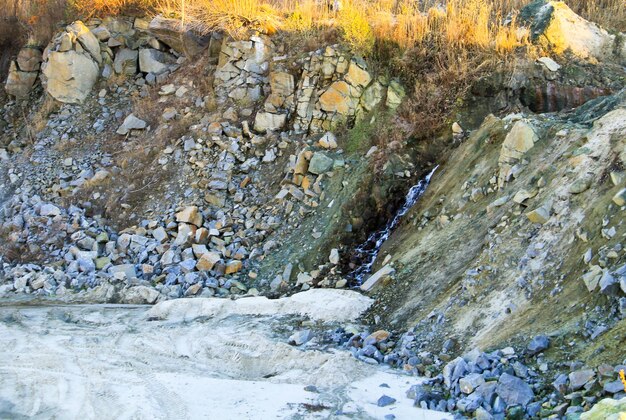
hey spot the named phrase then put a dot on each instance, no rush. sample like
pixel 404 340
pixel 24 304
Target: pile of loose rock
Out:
pixel 500 384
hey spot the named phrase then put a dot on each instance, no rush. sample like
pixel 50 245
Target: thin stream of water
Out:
pixel 368 251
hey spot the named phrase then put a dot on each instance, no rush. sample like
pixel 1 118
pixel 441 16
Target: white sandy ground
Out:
pixel 220 362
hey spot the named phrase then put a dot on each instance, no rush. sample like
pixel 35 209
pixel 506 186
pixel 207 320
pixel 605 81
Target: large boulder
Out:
pixel 70 76
pixel 172 33
pixel 555 26
pixel 71 64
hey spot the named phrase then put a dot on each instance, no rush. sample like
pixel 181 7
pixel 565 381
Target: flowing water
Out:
pixel 368 251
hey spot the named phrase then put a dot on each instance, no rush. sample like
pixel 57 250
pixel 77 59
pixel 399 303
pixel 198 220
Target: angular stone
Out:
pixel 620 198
pixel 395 95
pixel 579 378
pixel 340 98
pixel 207 261
pixel 139 295
pixel 267 121
pixel 514 391
pixel 185 235
pixel 378 277
pixel 557 28
pixel 328 141
pixel 538 344
pixel 131 123
pixel 125 271
pixel 191 215
pixel 469 383
pixel 126 61
pixel 592 277
pixel 233 267
pixel 86 38
pixel 49 210
pixel 609 285
pixel 19 83
pixel 357 75
pixel 320 163
pixel 539 215
pixel 372 96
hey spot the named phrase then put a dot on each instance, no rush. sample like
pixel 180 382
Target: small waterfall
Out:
pixel 368 251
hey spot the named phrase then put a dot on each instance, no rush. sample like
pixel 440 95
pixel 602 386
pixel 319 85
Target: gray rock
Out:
pixel 385 400
pixel 69 76
pixel 614 387
pixel 538 344
pixel 49 210
pixel 579 378
pixel 514 391
pixel 125 271
pixel 155 61
pixel 470 382
pixel 320 163
pixel 609 285
pixel 126 61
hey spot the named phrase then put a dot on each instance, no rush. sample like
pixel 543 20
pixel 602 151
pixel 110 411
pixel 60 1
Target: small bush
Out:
pixel 354 24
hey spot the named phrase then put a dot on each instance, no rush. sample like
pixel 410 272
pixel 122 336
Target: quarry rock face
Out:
pixel 240 177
